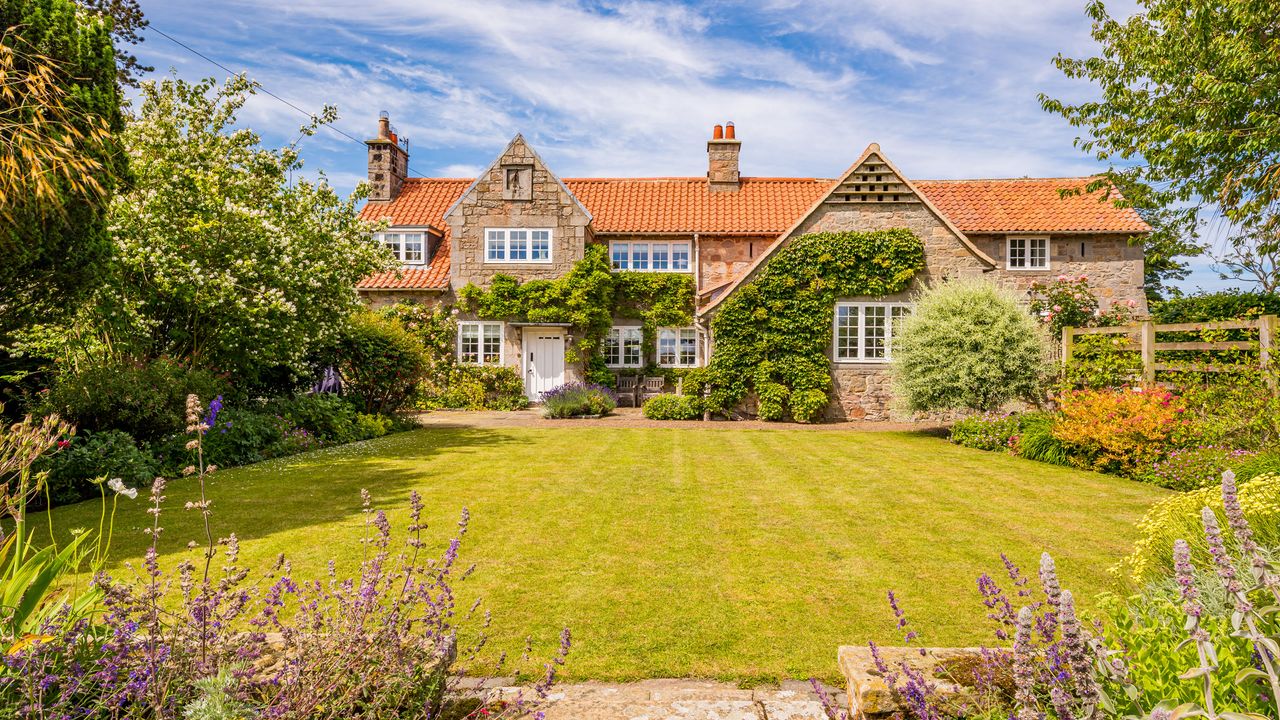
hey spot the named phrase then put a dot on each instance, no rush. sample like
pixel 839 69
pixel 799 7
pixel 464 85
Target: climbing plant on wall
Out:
pixel 772 336
pixel 588 297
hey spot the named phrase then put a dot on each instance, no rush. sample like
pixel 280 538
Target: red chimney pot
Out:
pixel 717 133
pixel 728 130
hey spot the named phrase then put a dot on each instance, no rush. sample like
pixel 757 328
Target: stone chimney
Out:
pixel 388 161
pixel 722 158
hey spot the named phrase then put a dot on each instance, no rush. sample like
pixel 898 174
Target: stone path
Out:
pixel 631 418
pixel 681 700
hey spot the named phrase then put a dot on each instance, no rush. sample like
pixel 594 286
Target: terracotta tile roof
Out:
pixel 422 201
pixel 435 276
pixel 761 206
pixel 1028 205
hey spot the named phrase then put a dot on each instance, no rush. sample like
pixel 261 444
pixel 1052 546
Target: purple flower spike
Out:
pixel 1222 560
pixel 908 635
pixel 214 408
pixel 1024 675
pixel 1186 579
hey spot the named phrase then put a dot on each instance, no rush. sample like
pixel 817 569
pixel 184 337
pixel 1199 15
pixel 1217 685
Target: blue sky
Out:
pixel 947 87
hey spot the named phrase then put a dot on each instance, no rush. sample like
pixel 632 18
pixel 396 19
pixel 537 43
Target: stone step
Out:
pixel 678 700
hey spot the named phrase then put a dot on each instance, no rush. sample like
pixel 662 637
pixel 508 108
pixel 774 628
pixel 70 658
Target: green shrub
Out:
pixel 1035 440
pixel 807 406
pixel 367 427
pixel 1264 463
pixel 1194 468
pixel 987 431
pixel 969 344
pixel 1149 628
pixel 144 399
pixel 672 407
pixel 237 437
pixel 92 457
pixel 380 362
pixel 578 400
pixel 471 387
pixel 1222 305
pixel 332 419
pixel 1235 409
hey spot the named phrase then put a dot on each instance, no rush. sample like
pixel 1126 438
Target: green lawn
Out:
pixel 707 552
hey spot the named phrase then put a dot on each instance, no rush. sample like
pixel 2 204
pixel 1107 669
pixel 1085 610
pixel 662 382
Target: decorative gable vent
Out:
pixel 872 181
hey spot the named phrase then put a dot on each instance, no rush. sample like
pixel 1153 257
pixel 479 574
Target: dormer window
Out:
pixel 1028 253
pixel 517 245
pixel 650 256
pixel 409 248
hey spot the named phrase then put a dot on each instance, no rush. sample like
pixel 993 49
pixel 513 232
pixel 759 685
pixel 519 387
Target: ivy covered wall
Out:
pixel 589 298
pixel 773 335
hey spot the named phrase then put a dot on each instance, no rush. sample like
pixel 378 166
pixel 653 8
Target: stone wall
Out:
pixel 549 206
pixel 945 255
pixel 1113 265
pixel 722 259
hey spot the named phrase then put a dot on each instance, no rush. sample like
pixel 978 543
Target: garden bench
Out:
pixel 628 388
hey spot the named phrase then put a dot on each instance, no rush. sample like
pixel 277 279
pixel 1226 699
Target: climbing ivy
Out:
pixel 772 336
pixel 588 297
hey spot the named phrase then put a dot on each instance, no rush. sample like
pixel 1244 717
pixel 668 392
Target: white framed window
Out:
pixel 864 331
pixel 624 347
pixel 517 245
pixel 1028 253
pixel 409 247
pixel 677 347
pixel 480 343
pixel 651 256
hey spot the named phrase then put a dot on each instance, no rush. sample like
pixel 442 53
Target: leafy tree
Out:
pixel 1253 255
pixel 1175 233
pixel 221 259
pixel 1190 108
pixel 60 162
pixel 968 345
pixel 127 21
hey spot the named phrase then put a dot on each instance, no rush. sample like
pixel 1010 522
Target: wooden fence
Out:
pixel 1144 340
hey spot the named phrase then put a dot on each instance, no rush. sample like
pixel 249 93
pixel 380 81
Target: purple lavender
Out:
pixel 908 636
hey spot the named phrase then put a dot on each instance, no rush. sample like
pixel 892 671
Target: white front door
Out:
pixel 543 361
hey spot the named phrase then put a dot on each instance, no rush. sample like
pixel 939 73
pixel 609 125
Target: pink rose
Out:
pixel 1057 308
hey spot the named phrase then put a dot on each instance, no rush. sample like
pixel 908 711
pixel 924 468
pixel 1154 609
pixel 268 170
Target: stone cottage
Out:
pixel 521 220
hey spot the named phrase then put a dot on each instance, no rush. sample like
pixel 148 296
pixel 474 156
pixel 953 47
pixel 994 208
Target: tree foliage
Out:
pixel 969 345
pixel 127 22
pixel 59 161
pixel 1189 113
pixel 221 258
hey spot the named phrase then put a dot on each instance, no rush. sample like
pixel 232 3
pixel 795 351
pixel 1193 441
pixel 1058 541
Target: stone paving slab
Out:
pixel 678 700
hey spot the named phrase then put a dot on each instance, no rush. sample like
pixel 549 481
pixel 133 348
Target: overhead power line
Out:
pixel 262 88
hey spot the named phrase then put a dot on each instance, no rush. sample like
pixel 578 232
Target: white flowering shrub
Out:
pixel 967 345
pixel 225 255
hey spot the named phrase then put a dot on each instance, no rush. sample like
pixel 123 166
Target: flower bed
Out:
pixel 578 400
